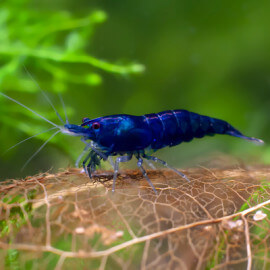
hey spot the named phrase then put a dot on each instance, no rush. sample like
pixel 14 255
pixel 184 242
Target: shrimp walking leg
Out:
pixel 94 161
pixel 81 155
pixel 111 161
pixel 116 167
pixel 139 164
pixel 91 145
pixel 150 164
pixel 84 164
pixel 155 159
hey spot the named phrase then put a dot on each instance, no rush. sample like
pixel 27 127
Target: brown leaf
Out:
pixel 194 225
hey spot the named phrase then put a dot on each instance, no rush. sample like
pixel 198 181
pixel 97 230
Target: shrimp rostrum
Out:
pixel 126 136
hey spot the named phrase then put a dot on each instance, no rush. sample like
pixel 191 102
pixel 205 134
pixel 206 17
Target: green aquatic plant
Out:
pixel 56 47
pixel 30 37
pixel 258 227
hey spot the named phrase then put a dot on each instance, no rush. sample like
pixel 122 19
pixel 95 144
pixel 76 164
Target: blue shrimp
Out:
pixel 126 136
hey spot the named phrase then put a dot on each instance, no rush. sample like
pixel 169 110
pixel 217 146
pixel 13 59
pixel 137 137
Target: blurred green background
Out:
pixel 136 57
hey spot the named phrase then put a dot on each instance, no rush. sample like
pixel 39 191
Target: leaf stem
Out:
pixel 71 58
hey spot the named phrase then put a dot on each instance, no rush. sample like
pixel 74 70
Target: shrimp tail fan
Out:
pixel 234 132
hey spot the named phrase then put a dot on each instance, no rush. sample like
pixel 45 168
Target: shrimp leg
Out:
pixel 139 164
pixel 155 159
pixel 150 164
pixel 81 155
pixel 116 167
pixel 94 161
pixel 91 145
pixel 84 164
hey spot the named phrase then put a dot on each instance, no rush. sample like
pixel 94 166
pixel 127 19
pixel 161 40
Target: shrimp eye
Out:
pixel 96 125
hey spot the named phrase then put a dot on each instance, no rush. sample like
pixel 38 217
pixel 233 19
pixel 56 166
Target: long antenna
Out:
pixel 64 107
pixel 44 94
pixel 16 101
pixel 29 138
pixel 39 149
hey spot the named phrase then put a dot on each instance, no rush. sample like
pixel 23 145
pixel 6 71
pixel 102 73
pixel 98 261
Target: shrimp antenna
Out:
pixel 39 149
pixel 44 94
pixel 64 107
pixel 19 103
pixel 29 138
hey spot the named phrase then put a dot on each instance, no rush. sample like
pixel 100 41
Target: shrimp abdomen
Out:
pixel 173 127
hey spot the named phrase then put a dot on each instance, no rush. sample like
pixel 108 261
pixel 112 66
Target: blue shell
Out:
pixel 128 133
